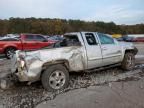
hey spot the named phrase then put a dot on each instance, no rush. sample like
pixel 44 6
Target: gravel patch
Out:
pixel 21 95
pixel 29 96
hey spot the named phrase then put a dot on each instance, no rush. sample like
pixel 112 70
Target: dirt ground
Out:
pixel 96 84
pixel 121 94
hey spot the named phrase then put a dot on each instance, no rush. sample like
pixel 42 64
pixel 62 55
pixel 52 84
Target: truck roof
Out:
pixel 79 32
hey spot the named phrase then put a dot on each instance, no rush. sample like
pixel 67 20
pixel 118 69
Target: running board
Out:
pixel 103 67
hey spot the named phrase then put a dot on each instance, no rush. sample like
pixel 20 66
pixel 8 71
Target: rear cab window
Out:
pixel 90 38
pixel 69 40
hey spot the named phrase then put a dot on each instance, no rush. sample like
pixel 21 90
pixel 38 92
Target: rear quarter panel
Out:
pixel 74 55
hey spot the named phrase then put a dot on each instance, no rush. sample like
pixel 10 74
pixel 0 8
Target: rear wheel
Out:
pixel 128 62
pixel 55 78
pixel 9 52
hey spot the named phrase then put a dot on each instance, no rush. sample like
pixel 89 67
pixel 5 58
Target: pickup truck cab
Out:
pixel 23 42
pixel 78 52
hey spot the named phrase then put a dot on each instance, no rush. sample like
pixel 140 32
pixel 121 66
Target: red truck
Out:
pixel 23 42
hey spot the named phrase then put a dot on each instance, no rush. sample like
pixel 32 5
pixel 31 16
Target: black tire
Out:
pixel 9 52
pixel 128 62
pixel 57 83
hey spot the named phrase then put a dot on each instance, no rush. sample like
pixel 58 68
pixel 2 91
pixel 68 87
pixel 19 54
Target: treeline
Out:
pixel 60 26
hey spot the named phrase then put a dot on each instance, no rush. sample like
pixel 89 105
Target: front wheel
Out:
pixel 128 62
pixel 55 78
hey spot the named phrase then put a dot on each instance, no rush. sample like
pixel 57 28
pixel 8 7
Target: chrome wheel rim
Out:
pixel 130 61
pixel 57 79
pixel 10 53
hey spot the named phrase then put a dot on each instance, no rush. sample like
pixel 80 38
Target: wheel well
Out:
pixel 65 63
pixel 129 51
pixel 10 47
pixel 134 51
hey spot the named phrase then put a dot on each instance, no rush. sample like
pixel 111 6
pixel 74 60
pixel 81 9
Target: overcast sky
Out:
pixel 118 11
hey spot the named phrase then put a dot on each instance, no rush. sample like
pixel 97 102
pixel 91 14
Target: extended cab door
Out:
pixel 111 51
pixel 93 50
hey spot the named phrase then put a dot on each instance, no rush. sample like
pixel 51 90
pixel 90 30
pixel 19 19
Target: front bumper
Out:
pixel 29 73
pixel 23 73
pixel 25 76
pixel 26 67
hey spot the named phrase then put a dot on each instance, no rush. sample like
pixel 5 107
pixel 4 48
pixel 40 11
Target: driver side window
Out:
pixel 105 39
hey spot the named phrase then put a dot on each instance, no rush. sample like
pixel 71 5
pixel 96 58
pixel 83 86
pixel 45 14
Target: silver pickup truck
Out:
pixel 78 52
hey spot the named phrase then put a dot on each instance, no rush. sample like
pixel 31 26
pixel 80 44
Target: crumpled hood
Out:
pixel 126 44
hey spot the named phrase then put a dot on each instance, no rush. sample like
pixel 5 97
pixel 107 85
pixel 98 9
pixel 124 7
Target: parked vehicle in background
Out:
pixel 78 52
pixel 139 39
pixel 12 35
pixel 8 39
pixel 116 35
pixel 128 39
pixel 8 45
pixel 120 39
pixel 46 36
pixel 125 38
pixel 55 38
